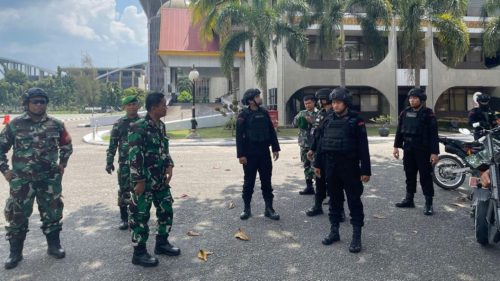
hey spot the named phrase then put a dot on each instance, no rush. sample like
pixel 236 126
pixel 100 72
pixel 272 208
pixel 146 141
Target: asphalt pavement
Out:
pixel 397 244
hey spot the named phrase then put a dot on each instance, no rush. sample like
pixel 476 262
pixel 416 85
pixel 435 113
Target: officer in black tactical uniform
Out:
pixel 346 157
pixel 323 96
pixel 483 115
pixel 254 134
pixel 417 135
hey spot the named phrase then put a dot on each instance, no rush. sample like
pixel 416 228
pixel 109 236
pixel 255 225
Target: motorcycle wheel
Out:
pixel 480 223
pixel 446 181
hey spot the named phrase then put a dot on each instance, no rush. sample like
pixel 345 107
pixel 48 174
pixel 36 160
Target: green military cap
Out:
pixel 129 99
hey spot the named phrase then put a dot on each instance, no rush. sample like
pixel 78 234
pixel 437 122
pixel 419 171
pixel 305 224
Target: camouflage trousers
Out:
pixel 19 205
pixel 139 213
pixel 308 169
pixel 124 187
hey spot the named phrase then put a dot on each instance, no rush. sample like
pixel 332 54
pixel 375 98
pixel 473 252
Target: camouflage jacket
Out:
pixel 37 146
pixel 148 152
pixel 304 126
pixel 119 140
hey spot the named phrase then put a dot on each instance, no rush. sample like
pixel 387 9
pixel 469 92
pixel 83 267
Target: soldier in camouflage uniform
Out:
pixel 304 121
pixel 38 142
pixel 150 173
pixel 119 140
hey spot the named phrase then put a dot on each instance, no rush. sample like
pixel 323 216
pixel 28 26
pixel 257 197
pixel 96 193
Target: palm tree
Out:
pixel 261 24
pixel 446 16
pixel 329 15
pixel 491 36
pixel 206 13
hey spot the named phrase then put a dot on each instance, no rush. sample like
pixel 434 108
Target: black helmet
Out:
pixel 342 94
pixel 34 92
pixel 419 93
pixel 249 94
pixel 483 98
pixel 324 94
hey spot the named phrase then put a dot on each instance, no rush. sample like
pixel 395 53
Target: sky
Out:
pixel 51 33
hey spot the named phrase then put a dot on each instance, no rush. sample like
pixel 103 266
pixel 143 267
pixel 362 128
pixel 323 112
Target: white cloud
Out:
pixel 60 28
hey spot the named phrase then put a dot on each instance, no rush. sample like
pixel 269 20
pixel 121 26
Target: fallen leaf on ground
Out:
pixel 459 205
pixel 231 205
pixel 414 231
pixel 193 233
pixel 241 235
pixel 184 196
pixel 227 170
pixel 203 254
pixel 379 216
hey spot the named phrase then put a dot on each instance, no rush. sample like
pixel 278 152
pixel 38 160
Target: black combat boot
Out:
pixel 407 202
pixel 142 257
pixel 428 210
pixel 54 245
pixel 163 247
pixel 247 212
pixel 355 246
pixel 309 190
pixel 16 251
pixel 315 210
pixel 269 212
pixel 124 217
pixel 342 215
pixel 333 236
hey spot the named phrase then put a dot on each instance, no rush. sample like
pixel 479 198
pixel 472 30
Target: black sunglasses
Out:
pixel 38 101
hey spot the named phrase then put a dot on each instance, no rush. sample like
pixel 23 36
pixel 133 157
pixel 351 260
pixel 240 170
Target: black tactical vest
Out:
pixel 257 127
pixel 339 135
pixel 412 123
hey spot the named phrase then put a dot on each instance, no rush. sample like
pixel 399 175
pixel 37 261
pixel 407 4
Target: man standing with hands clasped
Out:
pixel 150 173
pixel 417 135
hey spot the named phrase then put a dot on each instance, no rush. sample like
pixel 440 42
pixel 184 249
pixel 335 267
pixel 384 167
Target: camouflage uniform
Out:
pixel 36 174
pixel 149 158
pixel 119 140
pixel 305 139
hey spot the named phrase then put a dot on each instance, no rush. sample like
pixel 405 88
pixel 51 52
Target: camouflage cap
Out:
pixel 129 99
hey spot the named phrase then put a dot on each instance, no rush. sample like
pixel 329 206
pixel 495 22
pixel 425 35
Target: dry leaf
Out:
pixel 241 235
pixel 203 254
pixel 184 196
pixel 231 205
pixel 379 216
pixel 193 233
pixel 459 205
pixel 227 170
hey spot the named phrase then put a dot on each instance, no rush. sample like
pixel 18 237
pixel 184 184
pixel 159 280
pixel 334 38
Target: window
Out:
pixel 369 103
pixel 272 99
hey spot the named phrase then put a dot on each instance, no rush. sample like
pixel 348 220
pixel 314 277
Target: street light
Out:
pixel 193 76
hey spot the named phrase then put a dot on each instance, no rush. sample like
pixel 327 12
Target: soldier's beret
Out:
pixel 129 99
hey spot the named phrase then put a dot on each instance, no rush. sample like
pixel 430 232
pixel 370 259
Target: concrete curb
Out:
pixel 210 142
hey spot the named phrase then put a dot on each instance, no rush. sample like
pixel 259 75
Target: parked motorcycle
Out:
pixel 486 200
pixel 451 170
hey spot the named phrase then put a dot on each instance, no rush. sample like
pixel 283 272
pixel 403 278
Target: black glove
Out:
pixel 110 168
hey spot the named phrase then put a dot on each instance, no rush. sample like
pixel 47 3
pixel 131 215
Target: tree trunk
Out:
pixel 342 56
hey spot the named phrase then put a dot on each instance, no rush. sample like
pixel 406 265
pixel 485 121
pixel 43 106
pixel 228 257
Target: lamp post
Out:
pixel 193 76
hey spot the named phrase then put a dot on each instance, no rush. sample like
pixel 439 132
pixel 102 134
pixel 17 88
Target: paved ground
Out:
pixel 398 244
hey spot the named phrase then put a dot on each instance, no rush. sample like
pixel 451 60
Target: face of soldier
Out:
pixel 257 100
pixel 132 108
pixel 338 106
pixel 37 106
pixel 309 104
pixel 414 102
pixel 160 110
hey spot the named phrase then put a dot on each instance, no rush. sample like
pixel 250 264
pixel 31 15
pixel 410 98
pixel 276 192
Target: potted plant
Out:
pixel 384 120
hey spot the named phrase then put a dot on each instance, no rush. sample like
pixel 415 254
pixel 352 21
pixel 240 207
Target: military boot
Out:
pixel 163 247
pixel 124 219
pixel 407 202
pixel 317 209
pixel 247 212
pixel 142 257
pixel 54 245
pixel 428 210
pixel 309 190
pixel 269 212
pixel 355 246
pixel 16 251
pixel 333 236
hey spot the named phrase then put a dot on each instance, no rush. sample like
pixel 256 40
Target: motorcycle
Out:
pixel 486 200
pixel 450 171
